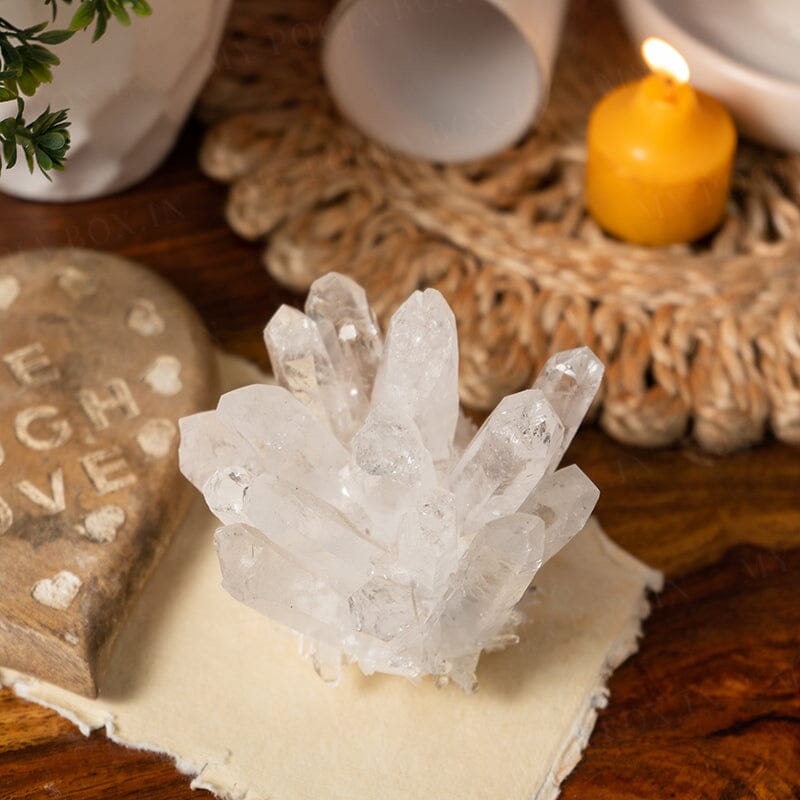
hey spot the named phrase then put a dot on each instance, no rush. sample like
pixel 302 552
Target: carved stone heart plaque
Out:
pixel 98 360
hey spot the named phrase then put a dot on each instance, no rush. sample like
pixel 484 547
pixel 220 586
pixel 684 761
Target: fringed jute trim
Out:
pixel 700 341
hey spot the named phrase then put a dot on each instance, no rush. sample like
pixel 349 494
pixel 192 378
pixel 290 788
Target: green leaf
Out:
pixel 122 16
pixel 51 141
pixel 11 57
pixel 10 153
pixel 83 16
pixel 26 63
pixel 44 122
pixel 39 72
pixel 28 152
pixel 32 31
pixel 28 83
pixel 43 160
pixel 8 128
pixel 100 27
pixel 55 37
pixel 39 54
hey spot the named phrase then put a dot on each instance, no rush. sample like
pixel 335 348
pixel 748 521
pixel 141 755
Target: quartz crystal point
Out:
pixel 304 366
pixel 350 333
pixel 420 368
pixel 206 443
pixel 319 537
pixel 392 468
pixel 263 577
pixel 361 509
pixel 290 440
pixel 570 380
pixel 494 573
pixel 564 501
pixel 506 458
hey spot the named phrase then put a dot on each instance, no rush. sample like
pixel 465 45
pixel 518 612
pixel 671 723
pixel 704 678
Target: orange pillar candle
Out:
pixel 660 156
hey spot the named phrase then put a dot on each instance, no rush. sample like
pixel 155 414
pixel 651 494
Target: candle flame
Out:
pixel 664 59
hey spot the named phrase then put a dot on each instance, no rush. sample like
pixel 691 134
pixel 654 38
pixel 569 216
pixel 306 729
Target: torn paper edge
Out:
pixel 622 647
pixel 25 690
pixel 625 644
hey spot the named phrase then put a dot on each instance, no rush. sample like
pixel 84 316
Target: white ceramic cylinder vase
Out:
pixel 445 80
pixel 128 94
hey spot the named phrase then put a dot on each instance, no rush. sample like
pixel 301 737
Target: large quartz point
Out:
pixel 302 364
pixel 420 368
pixel 570 380
pixel 350 333
pixel 563 500
pixel 506 458
pixel 361 509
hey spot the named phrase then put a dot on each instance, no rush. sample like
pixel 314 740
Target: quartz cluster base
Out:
pixel 361 508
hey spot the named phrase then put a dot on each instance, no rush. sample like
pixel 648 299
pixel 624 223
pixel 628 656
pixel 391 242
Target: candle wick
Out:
pixel 670 86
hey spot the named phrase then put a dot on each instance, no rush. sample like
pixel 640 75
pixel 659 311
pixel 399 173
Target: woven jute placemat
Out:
pixel 700 341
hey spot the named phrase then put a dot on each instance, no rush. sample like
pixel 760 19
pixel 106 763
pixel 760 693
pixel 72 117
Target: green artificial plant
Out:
pixel 26 62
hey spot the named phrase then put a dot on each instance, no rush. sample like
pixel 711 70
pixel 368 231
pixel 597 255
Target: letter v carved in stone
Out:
pixel 52 504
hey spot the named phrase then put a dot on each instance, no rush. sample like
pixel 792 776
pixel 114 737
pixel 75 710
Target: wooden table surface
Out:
pixel 709 707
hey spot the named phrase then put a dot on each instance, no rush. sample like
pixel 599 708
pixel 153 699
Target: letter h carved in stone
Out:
pixel 97 408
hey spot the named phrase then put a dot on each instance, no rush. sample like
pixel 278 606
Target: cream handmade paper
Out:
pixel 220 688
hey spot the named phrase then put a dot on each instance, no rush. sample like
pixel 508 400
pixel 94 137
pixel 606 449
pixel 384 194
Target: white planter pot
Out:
pixel 128 94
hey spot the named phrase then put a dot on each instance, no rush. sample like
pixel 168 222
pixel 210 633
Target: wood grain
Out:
pixel 102 496
pixel 710 707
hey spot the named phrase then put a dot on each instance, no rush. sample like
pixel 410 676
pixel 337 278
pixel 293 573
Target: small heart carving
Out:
pixel 91 389
pixel 156 437
pixel 144 319
pixel 57 592
pixel 76 283
pixel 163 376
pixel 102 524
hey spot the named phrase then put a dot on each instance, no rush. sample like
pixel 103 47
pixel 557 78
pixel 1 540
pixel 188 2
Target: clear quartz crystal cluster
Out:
pixel 360 507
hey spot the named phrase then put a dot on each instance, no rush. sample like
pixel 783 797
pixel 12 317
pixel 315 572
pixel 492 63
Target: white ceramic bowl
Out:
pixel 744 53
